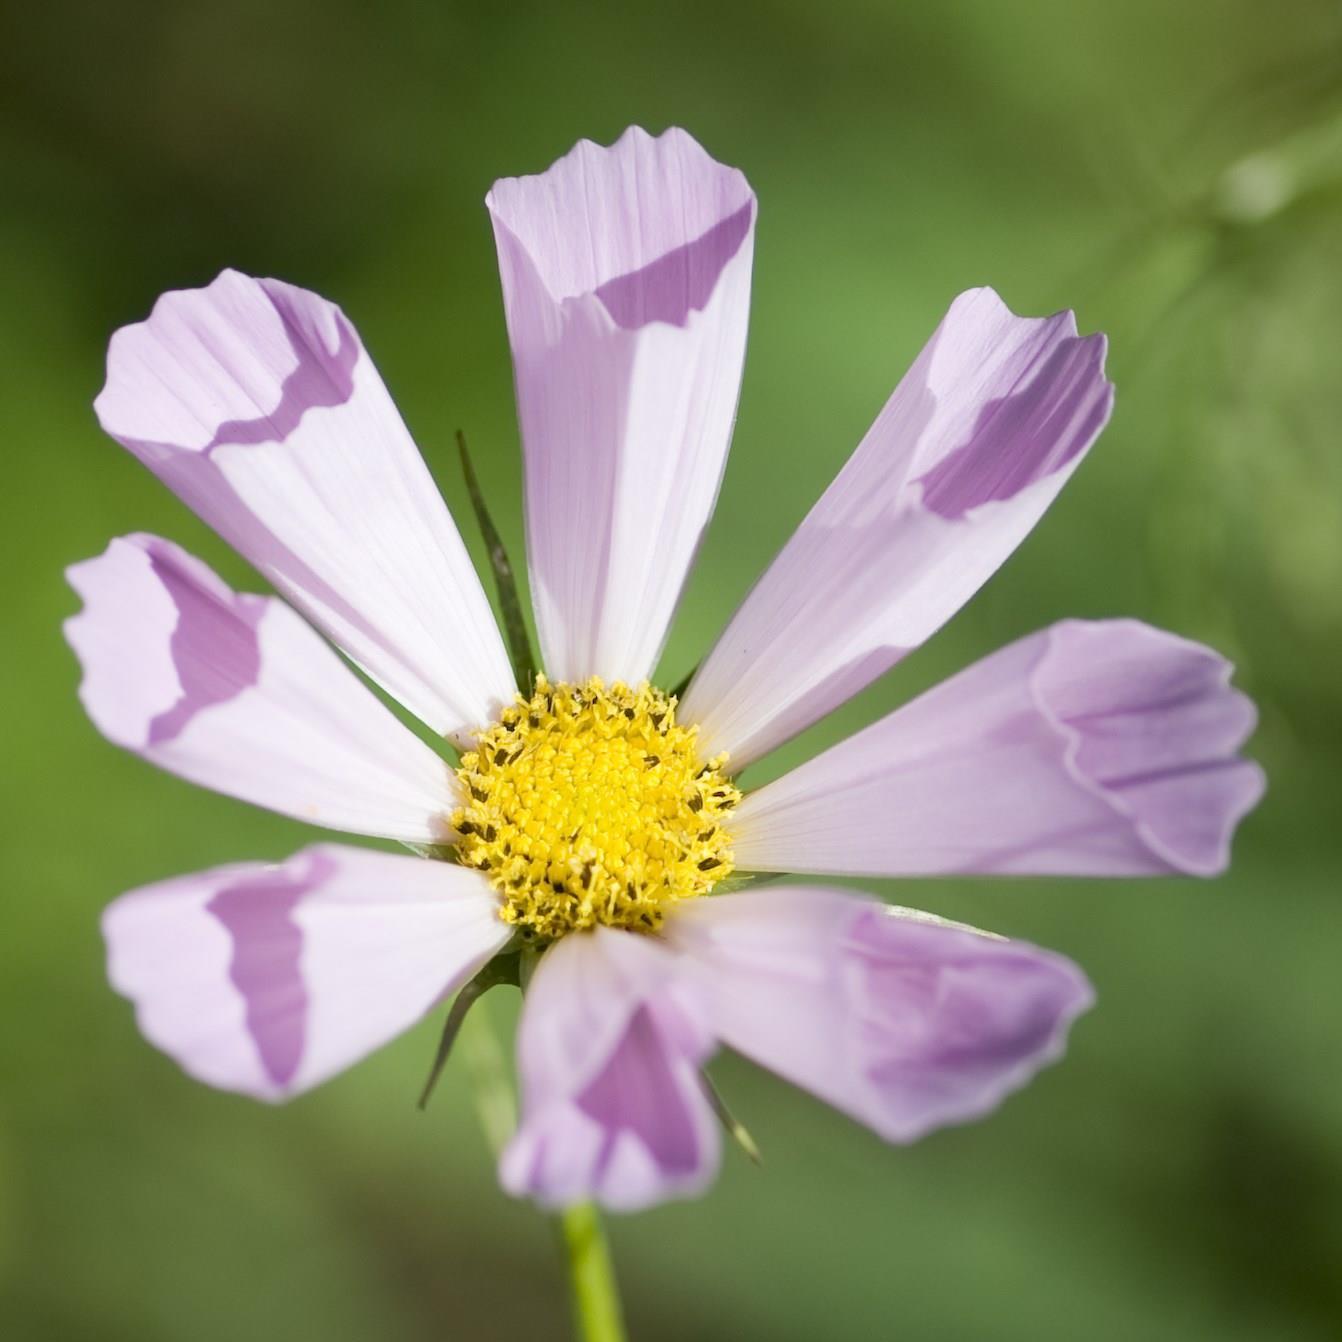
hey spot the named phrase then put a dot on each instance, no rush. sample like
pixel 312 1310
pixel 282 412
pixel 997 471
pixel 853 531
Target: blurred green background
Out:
pixel 1172 170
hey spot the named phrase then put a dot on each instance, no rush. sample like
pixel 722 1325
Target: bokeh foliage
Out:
pixel 1172 170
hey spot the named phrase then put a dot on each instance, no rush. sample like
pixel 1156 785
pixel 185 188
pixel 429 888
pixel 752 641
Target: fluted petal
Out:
pixel 256 403
pixel 975 443
pixel 235 692
pixel 905 1023
pixel 609 1051
pixel 1103 748
pixel 626 283
pixel 269 979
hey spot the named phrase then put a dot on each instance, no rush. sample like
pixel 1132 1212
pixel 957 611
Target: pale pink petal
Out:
pixel 977 439
pixel 236 693
pixel 609 1051
pixel 270 979
pixel 256 404
pixel 906 1024
pixel 1093 749
pixel 626 282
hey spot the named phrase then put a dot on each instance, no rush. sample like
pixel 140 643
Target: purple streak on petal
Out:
pixel 626 282
pixel 609 1051
pixel 1152 725
pixel 636 1095
pixel 950 1022
pixel 671 287
pixel 978 437
pixel 1027 434
pixel 193 476
pixel 321 378
pixel 266 963
pixel 215 648
pixel 905 1023
pixel 268 980
pixel 212 393
pixel 1103 748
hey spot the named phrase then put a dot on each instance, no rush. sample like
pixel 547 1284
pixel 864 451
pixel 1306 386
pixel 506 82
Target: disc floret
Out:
pixel 589 804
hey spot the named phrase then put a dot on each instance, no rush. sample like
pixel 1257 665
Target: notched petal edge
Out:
pixel 1151 725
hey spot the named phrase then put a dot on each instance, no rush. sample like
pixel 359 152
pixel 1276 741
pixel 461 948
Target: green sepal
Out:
pixel 510 603
pixel 742 880
pixel 436 852
pixel 683 683
pixel 732 1125
pixel 503 968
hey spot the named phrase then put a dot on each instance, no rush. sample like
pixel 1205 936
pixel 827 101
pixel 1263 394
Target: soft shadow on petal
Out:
pixel 974 444
pixel 237 693
pixel 1103 748
pixel 270 979
pixel 255 402
pixel 609 1052
pixel 904 1024
pixel 626 283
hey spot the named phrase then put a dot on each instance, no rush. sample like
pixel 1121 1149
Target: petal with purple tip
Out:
pixel 609 1051
pixel 626 283
pixel 236 693
pixel 255 402
pixel 904 1023
pixel 1103 748
pixel 269 979
pixel 974 444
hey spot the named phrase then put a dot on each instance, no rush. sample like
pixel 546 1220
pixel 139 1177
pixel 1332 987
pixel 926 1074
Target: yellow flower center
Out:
pixel 589 804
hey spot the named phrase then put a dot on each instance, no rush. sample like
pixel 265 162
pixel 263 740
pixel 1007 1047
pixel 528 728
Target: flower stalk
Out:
pixel 597 1313
pixel 593 1290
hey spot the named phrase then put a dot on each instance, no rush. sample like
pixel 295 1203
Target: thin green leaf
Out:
pixel 733 1126
pixel 501 969
pixel 510 604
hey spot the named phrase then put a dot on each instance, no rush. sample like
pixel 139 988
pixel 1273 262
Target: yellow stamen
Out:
pixel 588 804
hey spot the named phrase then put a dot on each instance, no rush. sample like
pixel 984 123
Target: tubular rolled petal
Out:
pixel 626 284
pixel 235 692
pixel 974 444
pixel 1103 748
pixel 256 403
pixel 904 1023
pixel 269 979
pixel 609 1051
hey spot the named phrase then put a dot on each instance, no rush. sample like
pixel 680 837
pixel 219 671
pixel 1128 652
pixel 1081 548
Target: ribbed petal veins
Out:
pixel 1092 749
pixel 976 441
pixel 237 693
pixel 904 1023
pixel 626 282
pixel 270 979
pixel 609 1051
pixel 255 402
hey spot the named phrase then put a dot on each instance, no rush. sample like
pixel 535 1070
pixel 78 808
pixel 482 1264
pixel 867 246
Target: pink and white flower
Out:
pixel 1091 748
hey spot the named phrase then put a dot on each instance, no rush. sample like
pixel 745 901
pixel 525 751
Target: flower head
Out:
pixel 592 815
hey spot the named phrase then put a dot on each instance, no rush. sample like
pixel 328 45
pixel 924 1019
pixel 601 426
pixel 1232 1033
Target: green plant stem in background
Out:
pixel 597 1315
pixel 495 1104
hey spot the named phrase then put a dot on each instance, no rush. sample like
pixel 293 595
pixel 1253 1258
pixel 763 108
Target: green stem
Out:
pixel 597 1316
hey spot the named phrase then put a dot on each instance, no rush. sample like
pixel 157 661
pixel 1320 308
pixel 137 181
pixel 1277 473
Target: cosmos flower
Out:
pixel 593 818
